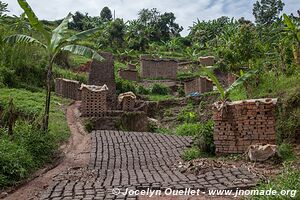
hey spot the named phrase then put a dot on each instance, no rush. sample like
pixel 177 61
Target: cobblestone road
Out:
pixel 138 161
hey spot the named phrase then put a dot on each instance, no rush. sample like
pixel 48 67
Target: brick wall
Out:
pixel 199 84
pixel 128 74
pixel 243 123
pixel 207 61
pixel 158 68
pixel 102 73
pixel 67 88
pixel 94 100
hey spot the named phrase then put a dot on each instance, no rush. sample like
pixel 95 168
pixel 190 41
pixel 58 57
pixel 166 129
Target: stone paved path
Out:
pixel 138 161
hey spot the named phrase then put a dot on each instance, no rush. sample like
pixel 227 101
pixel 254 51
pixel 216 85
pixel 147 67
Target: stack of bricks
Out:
pixel 102 73
pixel 67 88
pixel 199 84
pixel 94 101
pixel 129 74
pixel 158 68
pixel 127 101
pixel 207 61
pixel 243 123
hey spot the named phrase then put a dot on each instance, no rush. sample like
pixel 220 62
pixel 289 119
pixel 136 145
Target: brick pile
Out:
pixel 94 100
pixel 207 60
pixel 199 84
pixel 243 123
pixel 102 73
pixel 158 68
pixel 130 73
pixel 127 101
pixel 67 88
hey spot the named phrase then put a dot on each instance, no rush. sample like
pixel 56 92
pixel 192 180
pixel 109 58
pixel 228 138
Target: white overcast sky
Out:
pixel 186 11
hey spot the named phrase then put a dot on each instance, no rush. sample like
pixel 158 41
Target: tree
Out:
pixel 3 9
pixel 267 11
pixel 78 21
pixel 56 42
pixel 105 14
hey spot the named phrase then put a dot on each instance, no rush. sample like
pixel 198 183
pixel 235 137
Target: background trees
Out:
pixel 267 11
pixel 3 8
pixel 105 14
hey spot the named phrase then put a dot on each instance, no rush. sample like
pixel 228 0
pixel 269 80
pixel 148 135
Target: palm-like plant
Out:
pixel 294 30
pixel 55 42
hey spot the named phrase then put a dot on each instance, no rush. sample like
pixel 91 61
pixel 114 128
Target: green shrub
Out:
pixel 15 162
pixel 288 180
pixel 160 89
pixel 204 138
pixel 142 90
pixel 188 129
pixel 89 125
pixel 286 152
pixel 188 115
pixel 181 92
pixel 191 153
pixel 125 86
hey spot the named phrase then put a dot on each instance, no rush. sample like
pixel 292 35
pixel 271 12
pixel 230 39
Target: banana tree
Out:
pixel 55 42
pixel 224 93
pixel 294 30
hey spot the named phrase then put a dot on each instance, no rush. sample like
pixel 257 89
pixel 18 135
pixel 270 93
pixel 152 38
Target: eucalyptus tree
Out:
pixel 55 43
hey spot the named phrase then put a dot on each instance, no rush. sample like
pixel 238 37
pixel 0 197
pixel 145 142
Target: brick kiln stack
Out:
pixel 127 101
pixel 243 123
pixel 130 73
pixel 67 88
pixel 158 68
pixel 207 60
pixel 199 84
pixel 94 100
pixel 102 73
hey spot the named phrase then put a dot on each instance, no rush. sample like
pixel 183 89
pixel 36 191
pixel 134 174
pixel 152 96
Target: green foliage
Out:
pixel 288 180
pixel 157 97
pixel 187 115
pixel 160 89
pixel 105 14
pixel 267 11
pixel 142 90
pixel 89 125
pixel 15 162
pixel 191 153
pixel 125 86
pixel 29 148
pixel 286 152
pixel 188 129
pixel 41 146
pixel 204 138
pixel 3 9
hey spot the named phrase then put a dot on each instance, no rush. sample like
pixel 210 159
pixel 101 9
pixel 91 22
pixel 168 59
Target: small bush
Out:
pixel 191 153
pixel 41 146
pixel 188 129
pixel 15 162
pixel 204 138
pixel 142 90
pixel 160 89
pixel 288 180
pixel 286 152
pixel 89 125
pixel 125 86
pixel 187 115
